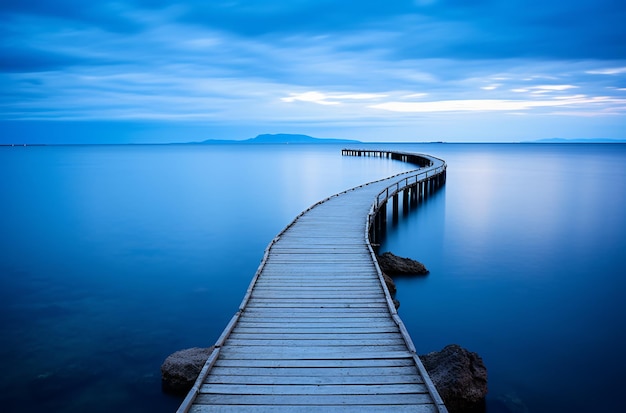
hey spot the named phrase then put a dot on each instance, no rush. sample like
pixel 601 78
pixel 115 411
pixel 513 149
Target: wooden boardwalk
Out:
pixel 317 330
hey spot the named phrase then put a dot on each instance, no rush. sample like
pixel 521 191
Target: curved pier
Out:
pixel 317 330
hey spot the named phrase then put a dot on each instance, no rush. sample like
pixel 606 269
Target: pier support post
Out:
pixel 395 208
pixel 406 195
pixel 373 233
pixel 383 213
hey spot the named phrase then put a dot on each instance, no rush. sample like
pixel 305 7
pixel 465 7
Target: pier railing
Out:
pixel 408 182
pixel 415 186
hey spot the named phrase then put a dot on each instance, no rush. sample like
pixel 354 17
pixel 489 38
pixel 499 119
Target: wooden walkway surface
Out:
pixel 317 331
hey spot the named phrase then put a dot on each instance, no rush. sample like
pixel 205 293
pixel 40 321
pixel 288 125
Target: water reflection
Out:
pixel 529 269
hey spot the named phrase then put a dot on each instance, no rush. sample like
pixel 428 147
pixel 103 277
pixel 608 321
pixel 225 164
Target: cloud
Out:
pixel 611 71
pixel 307 62
pixel 551 88
pixel 329 99
pixel 490 105
pixel 315 97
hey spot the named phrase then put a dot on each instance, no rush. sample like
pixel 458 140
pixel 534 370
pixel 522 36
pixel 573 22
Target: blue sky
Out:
pixel 75 71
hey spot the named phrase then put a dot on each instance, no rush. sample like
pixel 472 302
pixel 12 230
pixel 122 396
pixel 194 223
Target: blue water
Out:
pixel 112 257
pixel 527 251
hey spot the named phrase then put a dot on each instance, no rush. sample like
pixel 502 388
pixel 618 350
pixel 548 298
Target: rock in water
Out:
pixel 180 370
pixel 392 264
pixel 391 285
pixel 460 377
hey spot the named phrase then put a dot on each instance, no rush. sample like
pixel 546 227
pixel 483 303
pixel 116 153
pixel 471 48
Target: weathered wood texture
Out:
pixel 317 331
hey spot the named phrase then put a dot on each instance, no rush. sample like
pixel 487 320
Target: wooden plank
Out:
pixel 330 329
pixel 319 276
pixel 273 268
pixel 337 318
pixel 324 259
pixel 322 363
pixel 319 380
pixel 316 342
pixel 274 314
pixel 322 322
pixel 318 400
pixel 297 353
pixel 285 248
pixel 318 252
pixel 367 307
pixel 312 390
pixel 339 272
pixel 327 304
pixel 311 313
pixel 345 330
pixel 337 324
pixel 354 311
pixel 302 375
pixel 320 261
pixel 330 279
pixel 323 282
pixel 222 408
pixel 347 281
pixel 345 261
pixel 295 302
pixel 315 295
pixel 341 314
pixel 297 285
pixel 310 336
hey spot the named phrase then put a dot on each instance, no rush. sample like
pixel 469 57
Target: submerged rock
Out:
pixel 460 377
pixel 180 370
pixel 392 264
pixel 512 403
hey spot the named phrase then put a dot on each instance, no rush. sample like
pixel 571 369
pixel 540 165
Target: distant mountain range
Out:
pixel 561 140
pixel 280 138
pixel 286 138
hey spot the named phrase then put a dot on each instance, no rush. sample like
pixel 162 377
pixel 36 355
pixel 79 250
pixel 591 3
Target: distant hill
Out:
pixel 280 138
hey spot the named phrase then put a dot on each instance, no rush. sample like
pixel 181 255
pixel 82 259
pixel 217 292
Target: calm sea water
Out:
pixel 112 257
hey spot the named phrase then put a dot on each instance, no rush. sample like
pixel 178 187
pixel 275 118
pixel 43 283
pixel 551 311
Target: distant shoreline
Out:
pixel 287 139
pixel 240 143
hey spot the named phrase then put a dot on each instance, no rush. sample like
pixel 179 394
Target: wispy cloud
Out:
pixel 310 63
pixel 552 88
pixel 611 71
pixel 330 99
pixel 315 97
pixel 491 87
pixel 489 105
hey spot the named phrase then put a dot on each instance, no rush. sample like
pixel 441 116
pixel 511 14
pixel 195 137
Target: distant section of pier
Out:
pixel 413 158
pixel 414 187
pixel 317 330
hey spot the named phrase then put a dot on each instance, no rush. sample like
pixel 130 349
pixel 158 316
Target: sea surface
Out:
pixel 113 257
